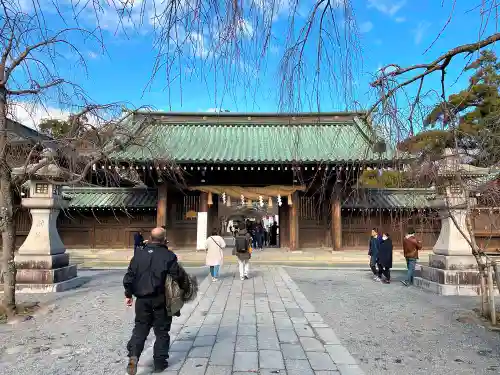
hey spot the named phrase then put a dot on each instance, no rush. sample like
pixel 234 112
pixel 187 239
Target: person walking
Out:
pixel 145 280
pixel 214 245
pixel 373 250
pixel 138 241
pixel 411 246
pixel 243 250
pixel 385 258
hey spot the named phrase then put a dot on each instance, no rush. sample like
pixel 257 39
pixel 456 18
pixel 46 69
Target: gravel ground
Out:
pixel 85 334
pixel 391 329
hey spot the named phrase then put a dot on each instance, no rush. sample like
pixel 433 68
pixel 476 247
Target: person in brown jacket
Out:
pixel 411 246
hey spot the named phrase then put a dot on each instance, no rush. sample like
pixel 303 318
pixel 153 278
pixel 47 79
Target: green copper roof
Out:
pixel 90 197
pixel 117 198
pixel 390 198
pixel 250 141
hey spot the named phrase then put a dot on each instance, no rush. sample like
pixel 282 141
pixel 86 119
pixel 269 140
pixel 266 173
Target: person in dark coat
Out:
pixel 385 258
pixel 373 249
pixel 138 241
pixel 273 240
pixel 242 250
pixel 145 280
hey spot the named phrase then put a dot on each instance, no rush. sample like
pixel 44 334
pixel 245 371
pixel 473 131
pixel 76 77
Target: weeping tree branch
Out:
pixel 439 64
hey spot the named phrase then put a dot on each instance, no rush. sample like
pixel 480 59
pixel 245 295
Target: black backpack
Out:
pixel 241 244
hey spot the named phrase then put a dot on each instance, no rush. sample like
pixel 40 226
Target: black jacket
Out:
pixel 148 271
pixel 385 253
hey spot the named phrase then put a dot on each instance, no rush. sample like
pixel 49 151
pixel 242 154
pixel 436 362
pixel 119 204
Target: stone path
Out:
pixel 263 325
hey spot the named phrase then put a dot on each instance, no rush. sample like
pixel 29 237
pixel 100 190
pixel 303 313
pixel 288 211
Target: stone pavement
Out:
pixel 263 325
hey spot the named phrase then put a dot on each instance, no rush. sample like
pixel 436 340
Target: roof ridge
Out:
pixel 249 124
pixel 255 114
pixel 67 189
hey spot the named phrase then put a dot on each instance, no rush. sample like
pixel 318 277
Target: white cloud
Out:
pixel 216 110
pixel 389 7
pixel 365 27
pixel 31 115
pixel 400 19
pixel 246 28
pixel 420 31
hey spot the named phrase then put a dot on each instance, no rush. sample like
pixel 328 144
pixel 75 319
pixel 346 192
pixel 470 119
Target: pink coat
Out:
pixel 214 246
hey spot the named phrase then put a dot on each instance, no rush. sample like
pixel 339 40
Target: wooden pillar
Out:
pixel 336 221
pixel 161 206
pixel 203 202
pixel 294 222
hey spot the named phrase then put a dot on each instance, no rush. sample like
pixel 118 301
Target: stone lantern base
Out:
pixel 450 275
pixel 46 273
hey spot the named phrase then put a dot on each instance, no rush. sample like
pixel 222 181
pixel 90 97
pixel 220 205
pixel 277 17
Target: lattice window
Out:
pixel 309 209
pixel 188 209
pixel 41 188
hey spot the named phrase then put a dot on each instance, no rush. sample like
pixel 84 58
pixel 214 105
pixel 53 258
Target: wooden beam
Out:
pixel 294 222
pixel 336 221
pixel 161 206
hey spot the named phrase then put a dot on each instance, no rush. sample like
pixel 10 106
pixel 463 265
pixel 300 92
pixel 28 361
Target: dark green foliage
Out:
pixel 383 179
pixel 55 128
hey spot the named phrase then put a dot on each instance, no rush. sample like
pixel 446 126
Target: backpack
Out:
pixel 241 244
pixel 175 296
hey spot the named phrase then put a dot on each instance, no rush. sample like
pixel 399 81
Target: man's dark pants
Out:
pixel 150 312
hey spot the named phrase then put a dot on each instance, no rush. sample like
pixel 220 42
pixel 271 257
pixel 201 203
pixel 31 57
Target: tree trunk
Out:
pixel 6 214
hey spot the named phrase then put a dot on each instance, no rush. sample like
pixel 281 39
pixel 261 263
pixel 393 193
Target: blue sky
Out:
pixel 391 31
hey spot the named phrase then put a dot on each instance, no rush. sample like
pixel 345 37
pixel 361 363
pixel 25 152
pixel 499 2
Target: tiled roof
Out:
pixel 390 198
pixel 18 132
pixel 90 197
pixel 252 142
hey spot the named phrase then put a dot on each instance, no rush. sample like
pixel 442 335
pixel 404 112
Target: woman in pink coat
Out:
pixel 215 253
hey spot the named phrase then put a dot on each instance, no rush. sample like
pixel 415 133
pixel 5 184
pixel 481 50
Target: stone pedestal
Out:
pixel 42 262
pixel 452 269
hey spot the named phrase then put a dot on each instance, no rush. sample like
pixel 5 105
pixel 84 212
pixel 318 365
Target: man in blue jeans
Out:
pixel 411 246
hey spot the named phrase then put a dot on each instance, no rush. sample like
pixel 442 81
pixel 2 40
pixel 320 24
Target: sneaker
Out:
pixel 404 282
pixel 214 279
pixel 132 365
pixel 245 277
pixel 376 278
pixel 160 367
pixel 242 278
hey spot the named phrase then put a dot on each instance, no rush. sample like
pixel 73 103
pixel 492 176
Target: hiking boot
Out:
pixel 160 367
pixel 132 365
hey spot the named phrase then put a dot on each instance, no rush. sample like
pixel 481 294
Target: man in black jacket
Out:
pixel 145 279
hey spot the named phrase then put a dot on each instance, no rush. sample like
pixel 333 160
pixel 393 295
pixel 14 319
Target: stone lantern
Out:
pixel 42 263
pixel 452 269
